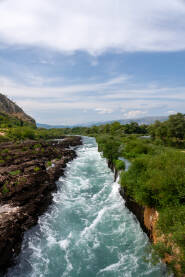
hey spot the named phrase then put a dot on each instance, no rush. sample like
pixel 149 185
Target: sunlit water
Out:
pixel 87 231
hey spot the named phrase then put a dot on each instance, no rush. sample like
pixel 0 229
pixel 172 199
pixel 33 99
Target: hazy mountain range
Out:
pixel 144 120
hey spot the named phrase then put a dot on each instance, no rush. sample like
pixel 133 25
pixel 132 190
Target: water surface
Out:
pixel 87 231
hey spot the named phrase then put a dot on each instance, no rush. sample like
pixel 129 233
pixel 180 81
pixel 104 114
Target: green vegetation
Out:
pixel 5 151
pixel 7 121
pixel 5 189
pixel 109 147
pixel 170 132
pixel 119 165
pixel 36 169
pixel 15 173
pixel 49 163
pixel 157 180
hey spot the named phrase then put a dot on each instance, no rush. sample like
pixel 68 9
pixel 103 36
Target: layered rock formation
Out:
pixel 28 172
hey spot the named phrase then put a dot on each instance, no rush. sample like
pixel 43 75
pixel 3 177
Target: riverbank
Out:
pixel 28 172
pixel 153 190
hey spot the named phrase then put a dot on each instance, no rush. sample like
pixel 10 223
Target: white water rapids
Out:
pixel 87 231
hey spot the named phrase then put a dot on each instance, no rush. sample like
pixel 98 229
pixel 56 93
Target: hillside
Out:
pixel 8 107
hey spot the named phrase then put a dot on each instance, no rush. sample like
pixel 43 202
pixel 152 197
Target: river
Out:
pixel 87 231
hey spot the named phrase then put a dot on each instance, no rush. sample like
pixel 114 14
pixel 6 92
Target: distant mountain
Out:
pixel 145 120
pixel 10 108
pixel 47 126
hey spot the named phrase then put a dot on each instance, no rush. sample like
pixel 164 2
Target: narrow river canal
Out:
pixel 87 231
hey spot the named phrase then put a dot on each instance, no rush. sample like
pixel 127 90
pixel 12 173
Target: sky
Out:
pixel 78 61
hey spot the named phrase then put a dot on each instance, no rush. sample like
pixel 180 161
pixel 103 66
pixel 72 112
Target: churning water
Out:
pixel 87 232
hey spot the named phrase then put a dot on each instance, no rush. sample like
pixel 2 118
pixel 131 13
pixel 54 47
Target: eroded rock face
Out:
pixel 139 212
pixel 28 172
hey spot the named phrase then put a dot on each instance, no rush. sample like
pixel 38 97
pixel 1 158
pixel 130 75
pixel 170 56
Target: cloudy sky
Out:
pixel 77 61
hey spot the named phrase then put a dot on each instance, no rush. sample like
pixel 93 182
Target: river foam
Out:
pixel 87 231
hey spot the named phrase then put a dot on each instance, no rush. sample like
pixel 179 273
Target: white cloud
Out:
pixel 134 114
pixel 100 101
pixel 94 25
pixel 103 111
pixel 171 112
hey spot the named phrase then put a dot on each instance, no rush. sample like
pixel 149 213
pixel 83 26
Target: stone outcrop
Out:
pixel 28 172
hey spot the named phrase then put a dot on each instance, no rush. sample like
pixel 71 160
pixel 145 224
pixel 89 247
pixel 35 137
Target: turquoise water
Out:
pixel 87 231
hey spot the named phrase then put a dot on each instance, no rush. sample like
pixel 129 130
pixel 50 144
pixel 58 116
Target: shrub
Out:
pixel 157 181
pixel 120 165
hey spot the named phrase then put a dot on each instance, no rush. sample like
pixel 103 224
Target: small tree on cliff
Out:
pixel 111 151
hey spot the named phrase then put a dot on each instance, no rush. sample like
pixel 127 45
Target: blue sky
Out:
pixel 82 60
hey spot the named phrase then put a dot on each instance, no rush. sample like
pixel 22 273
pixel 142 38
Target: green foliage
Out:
pixel 135 128
pixel 172 222
pixel 109 147
pixel 4 138
pixel 159 251
pixel 5 189
pixel 36 169
pixel 8 157
pixel 119 165
pixel 158 180
pixel 5 151
pixel 7 121
pixel 21 133
pixel 170 132
pixel 135 147
pixel 15 173
pixel 49 163
pixel 37 146
pixel 24 149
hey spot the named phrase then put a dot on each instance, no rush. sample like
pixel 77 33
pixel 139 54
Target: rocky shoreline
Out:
pixel 28 172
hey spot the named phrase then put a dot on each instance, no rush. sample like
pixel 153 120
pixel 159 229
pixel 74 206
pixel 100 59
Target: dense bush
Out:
pixel 171 132
pixel 21 133
pixel 136 146
pixel 157 181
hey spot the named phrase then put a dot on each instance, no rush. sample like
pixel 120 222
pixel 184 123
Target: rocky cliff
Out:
pixel 9 107
pixel 146 216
